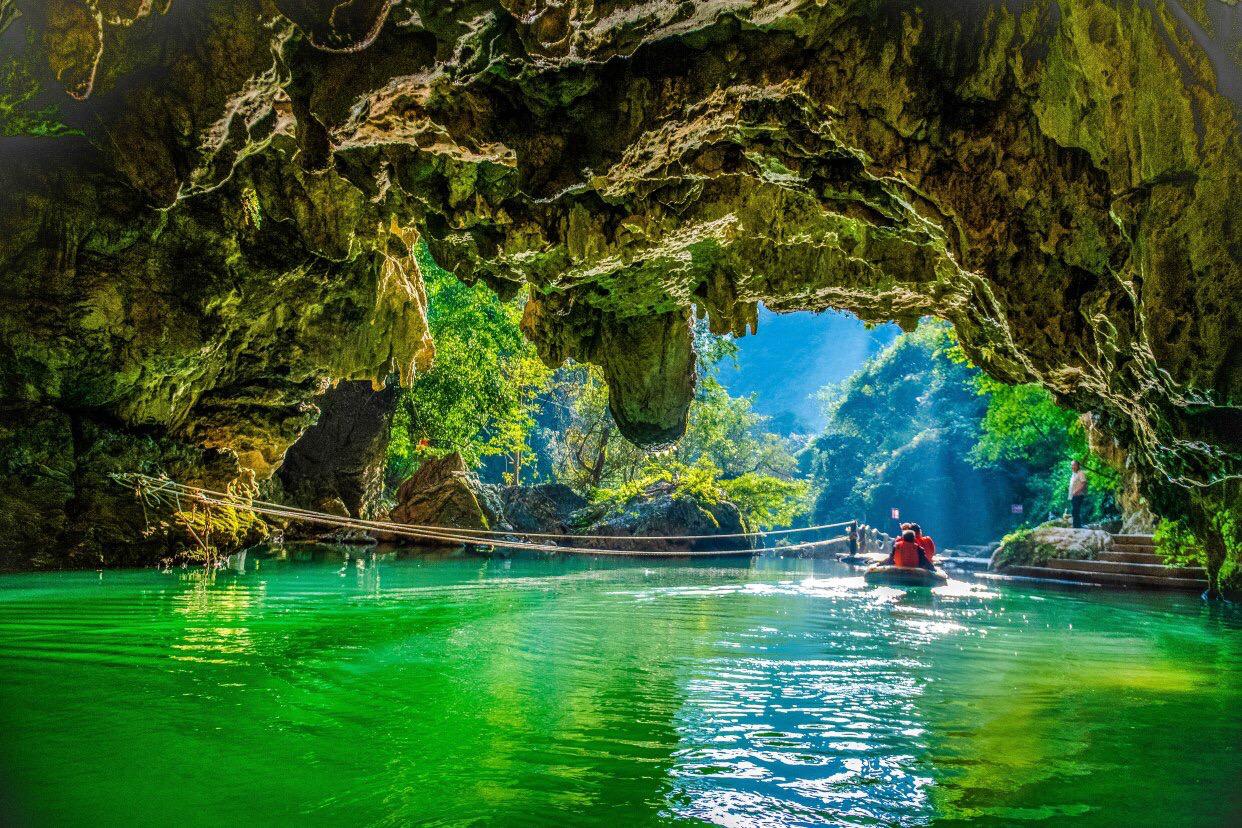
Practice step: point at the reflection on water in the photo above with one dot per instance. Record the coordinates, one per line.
(774, 733)
(342, 686)
(216, 608)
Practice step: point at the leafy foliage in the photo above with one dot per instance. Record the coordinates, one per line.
(480, 396)
(921, 429)
(1025, 427)
(765, 500)
(585, 448)
(1178, 545)
(699, 481)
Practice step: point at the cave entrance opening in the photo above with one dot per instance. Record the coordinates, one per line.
(792, 357)
(885, 423)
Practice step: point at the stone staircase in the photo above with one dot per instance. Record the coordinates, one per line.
(1132, 563)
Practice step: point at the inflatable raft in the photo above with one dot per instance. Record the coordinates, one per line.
(905, 576)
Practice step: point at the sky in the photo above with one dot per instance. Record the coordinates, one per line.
(793, 355)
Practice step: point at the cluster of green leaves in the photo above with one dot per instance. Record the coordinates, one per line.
(481, 394)
(1178, 545)
(767, 501)
(582, 444)
(700, 481)
(1023, 425)
(732, 434)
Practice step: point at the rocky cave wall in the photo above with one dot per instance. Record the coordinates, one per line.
(229, 234)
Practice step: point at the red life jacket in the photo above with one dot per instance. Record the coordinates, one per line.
(928, 545)
(906, 553)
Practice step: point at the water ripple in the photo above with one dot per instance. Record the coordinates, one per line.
(458, 691)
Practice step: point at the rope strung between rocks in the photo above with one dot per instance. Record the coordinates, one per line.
(445, 534)
(419, 534)
(150, 487)
(499, 533)
(483, 534)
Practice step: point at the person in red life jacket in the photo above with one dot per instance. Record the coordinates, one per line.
(901, 530)
(906, 552)
(928, 545)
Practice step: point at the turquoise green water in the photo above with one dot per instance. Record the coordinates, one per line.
(460, 691)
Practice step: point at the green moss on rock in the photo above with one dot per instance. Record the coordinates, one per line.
(232, 233)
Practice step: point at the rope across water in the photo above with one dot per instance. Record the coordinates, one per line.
(154, 488)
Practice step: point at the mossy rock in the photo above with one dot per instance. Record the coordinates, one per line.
(1035, 547)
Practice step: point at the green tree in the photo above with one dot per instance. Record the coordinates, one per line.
(766, 500)
(1023, 425)
(480, 396)
(726, 452)
(921, 429)
(1178, 545)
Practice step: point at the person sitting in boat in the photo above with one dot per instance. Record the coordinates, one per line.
(906, 552)
(901, 530)
(925, 543)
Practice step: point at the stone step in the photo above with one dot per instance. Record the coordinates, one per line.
(1108, 579)
(1131, 557)
(1128, 568)
(1134, 540)
(1134, 547)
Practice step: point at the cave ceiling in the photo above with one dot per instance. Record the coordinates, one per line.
(224, 226)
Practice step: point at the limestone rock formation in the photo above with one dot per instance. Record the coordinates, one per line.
(440, 493)
(229, 231)
(546, 508)
(658, 512)
(341, 457)
(1037, 546)
(1136, 514)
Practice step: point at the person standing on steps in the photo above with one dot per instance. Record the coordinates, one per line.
(1077, 492)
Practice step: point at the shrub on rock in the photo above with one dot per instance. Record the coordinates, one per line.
(1035, 547)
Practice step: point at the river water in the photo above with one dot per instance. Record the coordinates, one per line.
(318, 690)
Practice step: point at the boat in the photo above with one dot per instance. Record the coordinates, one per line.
(905, 576)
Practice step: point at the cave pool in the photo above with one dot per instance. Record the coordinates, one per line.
(315, 688)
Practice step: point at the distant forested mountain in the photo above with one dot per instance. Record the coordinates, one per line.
(920, 429)
(792, 356)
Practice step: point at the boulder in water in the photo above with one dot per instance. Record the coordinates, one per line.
(1035, 547)
(661, 510)
(547, 508)
(440, 493)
